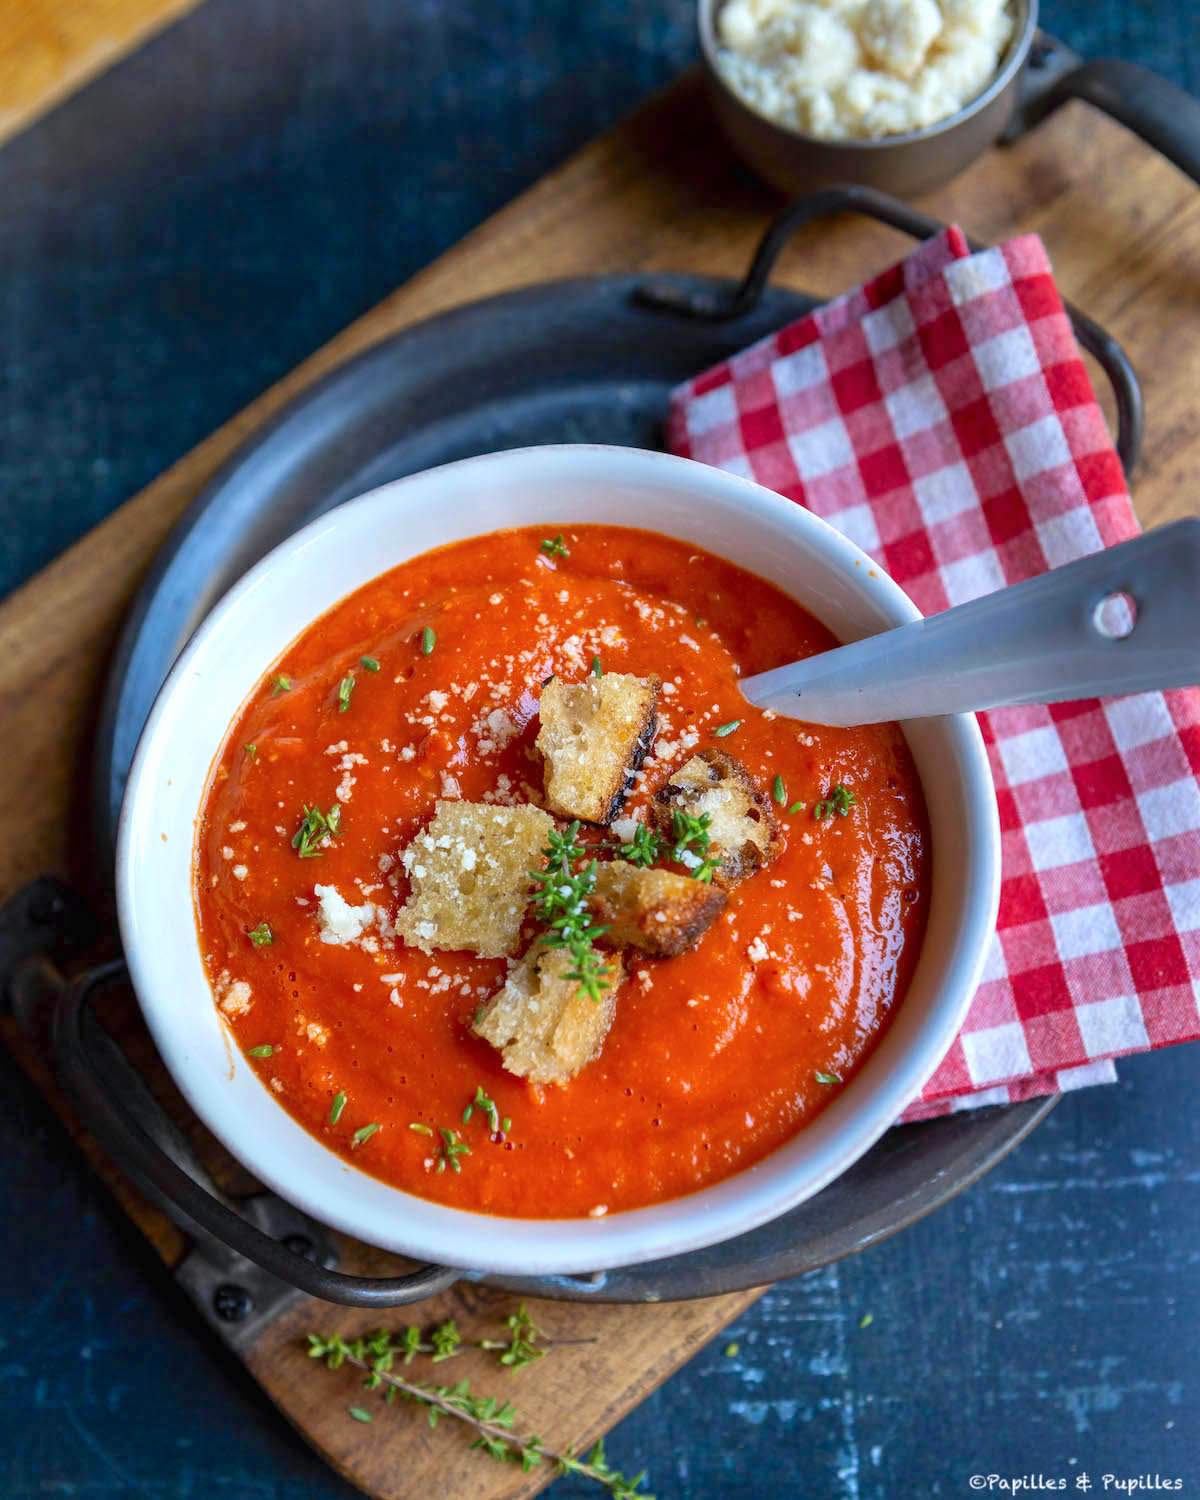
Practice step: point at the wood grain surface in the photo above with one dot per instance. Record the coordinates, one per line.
(658, 192)
(50, 47)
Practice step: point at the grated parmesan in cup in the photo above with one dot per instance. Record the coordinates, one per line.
(860, 69)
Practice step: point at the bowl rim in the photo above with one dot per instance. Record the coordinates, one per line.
(698, 1219)
(1011, 61)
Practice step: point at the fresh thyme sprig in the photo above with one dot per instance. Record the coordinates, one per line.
(839, 801)
(689, 830)
(643, 849)
(492, 1420)
(521, 1348)
(561, 909)
(262, 936)
(316, 828)
(345, 688)
(555, 548)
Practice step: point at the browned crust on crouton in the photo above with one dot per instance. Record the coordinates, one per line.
(744, 832)
(545, 1026)
(594, 736)
(657, 912)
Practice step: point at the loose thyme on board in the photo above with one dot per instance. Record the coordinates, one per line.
(493, 1421)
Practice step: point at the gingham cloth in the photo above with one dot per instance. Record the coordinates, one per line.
(942, 418)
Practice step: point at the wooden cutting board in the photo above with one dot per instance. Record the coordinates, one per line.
(659, 192)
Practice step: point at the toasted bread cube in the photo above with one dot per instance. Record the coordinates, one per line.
(743, 832)
(470, 877)
(655, 911)
(545, 1026)
(595, 735)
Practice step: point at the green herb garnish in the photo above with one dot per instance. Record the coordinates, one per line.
(316, 828)
(689, 830)
(828, 1078)
(252, 751)
(359, 1415)
(452, 1149)
(424, 1129)
(866, 1320)
(505, 1125)
(261, 935)
(643, 849)
(339, 1104)
(345, 688)
(560, 906)
(796, 807)
(779, 791)
(488, 1106)
(723, 729)
(597, 669)
(370, 663)
(521, 1348)
(491, 1420)
(555, 548)
(839, 801)
(428, 640)
(280, 685)
(365, 1133)
(266, 1050)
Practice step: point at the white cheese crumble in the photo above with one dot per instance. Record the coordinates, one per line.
(339, 921)
(860, 69)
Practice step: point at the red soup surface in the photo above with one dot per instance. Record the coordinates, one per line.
(423, 685)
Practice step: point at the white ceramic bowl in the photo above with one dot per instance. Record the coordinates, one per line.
(311, 571)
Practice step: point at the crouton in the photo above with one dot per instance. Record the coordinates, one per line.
(655, 911)
(470, 877)
(595, 735)
(545, 1026)
(742, 829)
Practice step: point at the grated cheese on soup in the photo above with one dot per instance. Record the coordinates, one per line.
(854, 69)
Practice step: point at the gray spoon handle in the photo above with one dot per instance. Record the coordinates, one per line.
(1046, 640)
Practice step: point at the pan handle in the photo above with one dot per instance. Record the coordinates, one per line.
(90, 1078)
(1166, 117)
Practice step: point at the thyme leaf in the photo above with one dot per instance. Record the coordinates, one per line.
(555, 548)
(689, 831)
(345, 688)
(261, 936)
(644, 847)
(839, 802)
(316, 828)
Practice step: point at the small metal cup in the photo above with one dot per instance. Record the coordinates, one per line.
(1034, 76)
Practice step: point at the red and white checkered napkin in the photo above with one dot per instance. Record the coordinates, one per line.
(942, 418)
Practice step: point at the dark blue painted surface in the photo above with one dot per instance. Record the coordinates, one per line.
(267, 170)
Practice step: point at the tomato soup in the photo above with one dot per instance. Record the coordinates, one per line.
(423, 686)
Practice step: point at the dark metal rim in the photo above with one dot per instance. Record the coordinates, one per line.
(850, 198)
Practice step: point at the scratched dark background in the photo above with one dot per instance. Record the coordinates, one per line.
(174, 239)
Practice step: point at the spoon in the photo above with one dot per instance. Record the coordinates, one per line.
(1125, 620)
